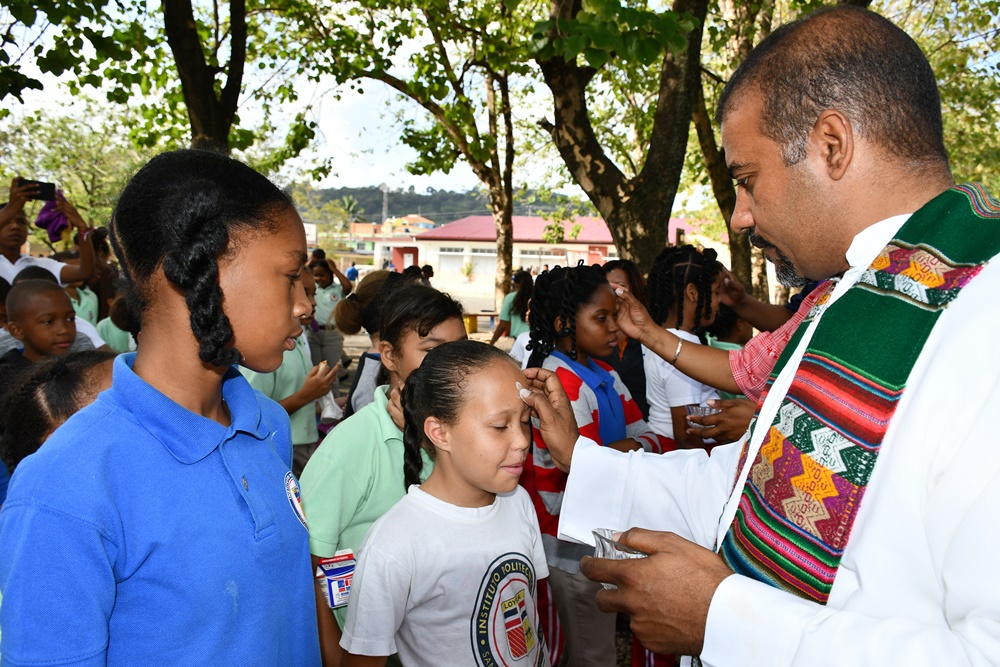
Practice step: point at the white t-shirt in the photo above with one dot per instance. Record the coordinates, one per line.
(447, 585)
(667, 387)
(8, 270)
(519, 349)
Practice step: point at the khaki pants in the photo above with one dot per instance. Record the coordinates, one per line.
(589, 632)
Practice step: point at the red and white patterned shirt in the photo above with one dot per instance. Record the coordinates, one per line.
(545, 483)
(753, 364)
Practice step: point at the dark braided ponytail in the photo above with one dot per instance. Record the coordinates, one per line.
(558, 295)
(439, 388)
(674, 269)
(181, 211)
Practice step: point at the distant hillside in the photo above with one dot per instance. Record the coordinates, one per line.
(441, 206)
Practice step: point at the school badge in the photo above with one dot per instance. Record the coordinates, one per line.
(295, 497)
(505, 621)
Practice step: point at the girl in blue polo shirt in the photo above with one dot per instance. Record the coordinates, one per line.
(161, 525)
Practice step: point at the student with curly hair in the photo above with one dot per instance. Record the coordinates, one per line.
(170, 496)
(572, 322)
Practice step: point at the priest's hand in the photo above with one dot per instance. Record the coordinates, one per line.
(556, 422)
(666, 595)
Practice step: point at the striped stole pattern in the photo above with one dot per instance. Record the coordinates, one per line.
(808, 480)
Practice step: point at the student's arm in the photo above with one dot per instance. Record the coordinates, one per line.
(69, 273)
(18, 197)
(503, 319)
(317, 384)
(763, 316)
(502, 329)
(329, 630)
(351, 660)
(345, 282)
(705, 364)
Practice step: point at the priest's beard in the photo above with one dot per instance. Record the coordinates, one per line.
(783, 268)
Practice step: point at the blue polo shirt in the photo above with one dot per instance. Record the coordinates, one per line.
(144, 534)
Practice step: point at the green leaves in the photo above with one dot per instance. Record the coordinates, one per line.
(606, 30)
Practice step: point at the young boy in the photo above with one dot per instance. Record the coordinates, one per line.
(41, 316)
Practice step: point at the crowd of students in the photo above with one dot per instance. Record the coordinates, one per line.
(203, 497)
(435, 475)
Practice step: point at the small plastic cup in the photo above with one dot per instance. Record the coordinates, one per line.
(608, 548)
(700, 411)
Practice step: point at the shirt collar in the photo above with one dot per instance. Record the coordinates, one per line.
(187, 436)
(388, 427)
(869, 242)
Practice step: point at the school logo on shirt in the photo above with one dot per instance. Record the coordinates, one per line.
(504, 625)
(295, 497)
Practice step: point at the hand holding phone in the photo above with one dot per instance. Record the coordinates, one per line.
(38, 189)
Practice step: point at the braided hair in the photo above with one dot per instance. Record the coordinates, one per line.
(558, 294)
(45, 397)
(673, 270)
(179, 213)
(439, 388)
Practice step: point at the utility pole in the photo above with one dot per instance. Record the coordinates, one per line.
(385, 202)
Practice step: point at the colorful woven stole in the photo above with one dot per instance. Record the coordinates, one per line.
(808, 480)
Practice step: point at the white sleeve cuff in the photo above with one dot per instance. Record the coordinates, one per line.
(751, 624)
(596, 494)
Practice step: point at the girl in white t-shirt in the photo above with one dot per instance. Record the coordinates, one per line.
(683, 289)
(448, 575)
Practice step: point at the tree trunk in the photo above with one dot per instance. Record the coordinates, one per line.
(722, 187)
(211, 114)
(502, 204)
(636, 210)
(760, 287)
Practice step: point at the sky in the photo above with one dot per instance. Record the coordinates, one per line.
(358, 131)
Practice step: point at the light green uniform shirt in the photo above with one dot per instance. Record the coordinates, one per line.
(722, 345)
(284, 382)
(86, 305)
(326, 300)
(517, 323)
(117, 339)
(354, 477)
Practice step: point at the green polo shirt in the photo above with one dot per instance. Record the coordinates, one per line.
(517, 323)
(284, 382)
(723, 345)
(86, 305)
(354, 477)
(117, 340)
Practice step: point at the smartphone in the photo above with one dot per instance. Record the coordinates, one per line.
(46, 191)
